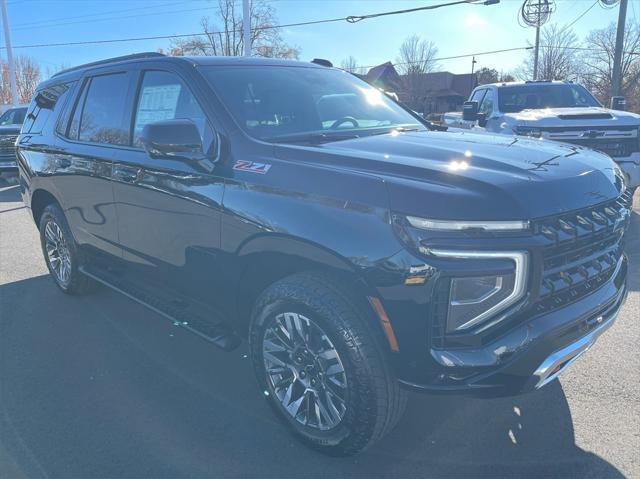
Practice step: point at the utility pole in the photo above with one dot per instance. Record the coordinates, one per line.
(537, 50)
(7, 40)
(246, 27)
(535, 13)
(473, 80)
(616, 80)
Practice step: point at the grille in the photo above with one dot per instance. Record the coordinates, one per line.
(7, 145)
(581, 252)
(613, 147)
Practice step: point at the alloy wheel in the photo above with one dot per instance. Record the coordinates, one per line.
(58, 255)
(305, 371)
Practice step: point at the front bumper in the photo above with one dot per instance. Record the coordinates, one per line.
(631, 167)
(534, 352)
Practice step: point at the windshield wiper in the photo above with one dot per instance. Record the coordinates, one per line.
(313, 138)
(400, 129)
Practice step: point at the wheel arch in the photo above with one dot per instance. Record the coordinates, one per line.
(40, 199)
(269, 258)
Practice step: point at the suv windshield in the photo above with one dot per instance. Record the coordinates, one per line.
(532, 97)
(15, 116)
(281, 102)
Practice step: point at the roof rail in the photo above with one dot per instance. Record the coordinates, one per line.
(538, 81)
(133, 56)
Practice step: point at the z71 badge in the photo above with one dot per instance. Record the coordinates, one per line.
(252, 167)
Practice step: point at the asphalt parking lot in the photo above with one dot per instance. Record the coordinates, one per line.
(100, 387)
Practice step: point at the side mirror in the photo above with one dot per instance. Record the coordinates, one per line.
(482, 119)
(172, 140)
(618, 103)
(470, 110)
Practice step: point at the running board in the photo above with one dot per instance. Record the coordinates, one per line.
(215, 332)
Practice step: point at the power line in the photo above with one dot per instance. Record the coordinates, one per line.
(350, 19)
(358, 18)
(110, 18)
(181, 35)
(466, 55)
(86, 15)
(581, 15)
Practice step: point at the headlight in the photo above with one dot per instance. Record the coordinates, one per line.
(528, 131)
(454, 225)
(473, 300)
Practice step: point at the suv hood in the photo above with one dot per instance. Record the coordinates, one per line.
(572, 117)
(467, 176)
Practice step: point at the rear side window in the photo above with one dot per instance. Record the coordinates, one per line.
(164, 96)
(43, 105)
(100, 113)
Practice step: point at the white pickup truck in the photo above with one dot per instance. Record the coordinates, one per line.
(560, 111)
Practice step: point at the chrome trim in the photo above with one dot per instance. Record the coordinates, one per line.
(453, 225)
(567, 355)
(521, 261)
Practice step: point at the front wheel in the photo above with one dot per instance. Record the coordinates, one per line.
(61, 253)
(321, 365)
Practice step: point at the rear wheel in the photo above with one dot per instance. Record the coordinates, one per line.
(321, 367)
(61, 253)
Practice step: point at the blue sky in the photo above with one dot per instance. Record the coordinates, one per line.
(456, 30)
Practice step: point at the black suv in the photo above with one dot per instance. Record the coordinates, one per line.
(10, 122)
(359, 252)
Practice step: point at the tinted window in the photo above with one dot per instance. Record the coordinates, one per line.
(532, 96)
(269, 102)
(164, 96)
(102, 119)
(43, 105)
(74, 125)
(15, 116)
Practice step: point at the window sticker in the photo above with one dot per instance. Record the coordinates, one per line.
(157, 103)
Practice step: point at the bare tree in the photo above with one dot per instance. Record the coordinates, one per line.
(416, 56)
(52, 70)
(558, 59)
(28, 76)
(350, 64)
(598, 61)
(224, 35)
(416, 59)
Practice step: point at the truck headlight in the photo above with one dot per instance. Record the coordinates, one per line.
(473, 300)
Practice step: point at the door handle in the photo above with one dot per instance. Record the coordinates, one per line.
(129, 175)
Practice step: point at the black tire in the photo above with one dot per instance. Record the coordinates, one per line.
(374, 401)
(74, 282)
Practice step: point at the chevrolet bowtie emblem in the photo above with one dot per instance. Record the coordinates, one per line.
(592, 134)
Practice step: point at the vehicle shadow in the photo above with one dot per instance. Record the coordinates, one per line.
(9, 190)
(99, 386)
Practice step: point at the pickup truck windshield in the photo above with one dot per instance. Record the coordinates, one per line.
(513, 99)
(282, 102)
(15, 116)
